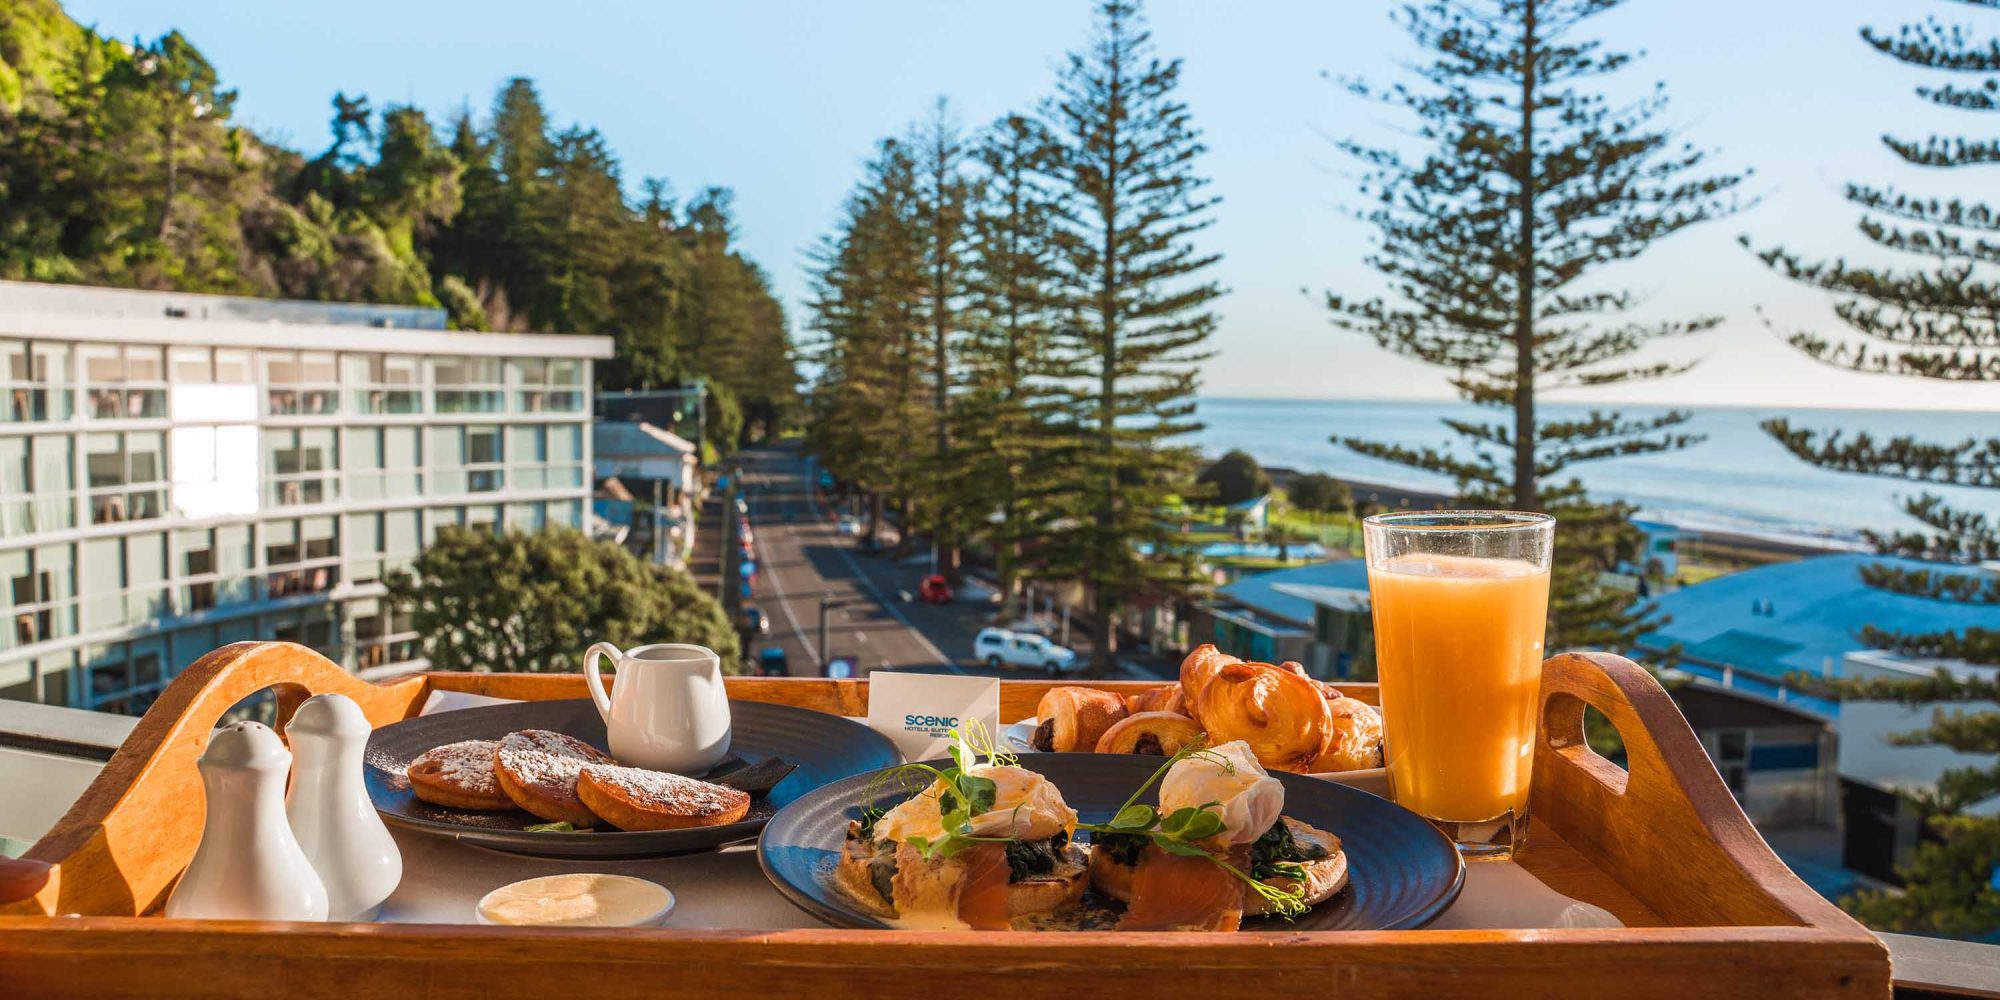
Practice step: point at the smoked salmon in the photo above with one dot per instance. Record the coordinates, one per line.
(1173, 892)
(983, 894)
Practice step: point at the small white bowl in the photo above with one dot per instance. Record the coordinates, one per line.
(651, 905)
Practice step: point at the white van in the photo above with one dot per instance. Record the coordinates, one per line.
(998, 647)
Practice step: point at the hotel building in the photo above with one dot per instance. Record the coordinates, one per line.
(182, 471)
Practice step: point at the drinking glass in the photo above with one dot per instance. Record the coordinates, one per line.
(1461, 603)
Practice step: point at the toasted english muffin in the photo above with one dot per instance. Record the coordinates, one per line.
(866, 869)
(1324, 876)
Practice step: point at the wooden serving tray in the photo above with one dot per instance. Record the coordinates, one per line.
(1710, 911)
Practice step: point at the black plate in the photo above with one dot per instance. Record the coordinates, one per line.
(1402, 872)
(825, 747)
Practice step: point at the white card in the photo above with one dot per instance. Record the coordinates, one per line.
(918, 710)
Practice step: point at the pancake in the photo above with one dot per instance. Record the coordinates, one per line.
(633, 798)
(459, 776)
(538, 771)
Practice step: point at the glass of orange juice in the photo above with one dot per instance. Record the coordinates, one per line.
(1461, 601)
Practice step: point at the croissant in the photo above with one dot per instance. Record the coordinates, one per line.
(1298, 668)
(1197, 670)
(1282, 715)
(1073, 718)
(1353, 737)
(1159, 733)
(1171, 698)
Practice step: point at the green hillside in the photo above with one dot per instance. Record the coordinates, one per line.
(124, 166)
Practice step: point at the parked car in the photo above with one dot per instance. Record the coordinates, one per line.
(848, 525)
(1000, 648)
(755, 621)
(771, 662)
(742, 506)
(934, 590)
(744, 590)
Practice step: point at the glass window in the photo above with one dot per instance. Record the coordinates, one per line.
(54, 482)
(104, 580)
(301, 465)
(191, 365)
(468, 385)
(400, 532)
(300, 382)
(233, 366)
(34, 381)
(16, 509)
(127, 383)
(380, 383)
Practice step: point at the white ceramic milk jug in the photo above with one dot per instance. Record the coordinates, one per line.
(335, 823)
(248, 866)
(667, 709)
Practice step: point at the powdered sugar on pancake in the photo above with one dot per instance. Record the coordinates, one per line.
(546, 759)
(467, 765)
(676, 794)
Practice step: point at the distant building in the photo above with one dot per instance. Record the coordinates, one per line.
(1751, 628)
(1317, 615)
(1779, 759)
(1883, 826)
(1251, 516)
(682, 410)
(1660, 554)
(182, 471)
(1748, 630)
(665, 470)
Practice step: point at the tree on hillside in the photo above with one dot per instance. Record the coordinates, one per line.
(1136, 312)
(1008, 440)
(1940, 321)
(1319, 493)
(534, 601)
(1236, 477)
(1533, 180)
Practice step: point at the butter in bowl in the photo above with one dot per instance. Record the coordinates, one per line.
(577, 899)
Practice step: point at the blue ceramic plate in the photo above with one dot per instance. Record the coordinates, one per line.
(1402, 872)
(825, 748)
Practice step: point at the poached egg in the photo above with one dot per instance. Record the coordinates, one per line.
(1026, 806)
(1248, 798)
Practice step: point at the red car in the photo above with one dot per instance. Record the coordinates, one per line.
(934, 590)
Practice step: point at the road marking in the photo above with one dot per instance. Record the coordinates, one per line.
(777, 584)
(896, 612)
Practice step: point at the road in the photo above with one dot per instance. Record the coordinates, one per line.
(801, 559)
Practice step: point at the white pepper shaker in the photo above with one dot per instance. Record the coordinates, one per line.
(335, 823)
(248, 866)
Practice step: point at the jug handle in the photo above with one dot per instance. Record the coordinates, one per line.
(595, 683)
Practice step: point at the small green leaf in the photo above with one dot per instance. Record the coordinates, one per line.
(1135, 817)
(980, 793)
(562, 827)
(1176, 847)
(1201, 826)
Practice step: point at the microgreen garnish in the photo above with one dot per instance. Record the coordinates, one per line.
(961, 795)
(1180, 831)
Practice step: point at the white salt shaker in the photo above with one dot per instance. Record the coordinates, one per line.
(248, 866)
(335, 823)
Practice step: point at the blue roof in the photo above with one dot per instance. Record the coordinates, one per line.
(1256, 591)
(1818, 606)
(1251, 504)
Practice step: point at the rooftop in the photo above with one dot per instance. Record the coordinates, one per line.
(1800, 615)
(78, 313)
(1277, 593)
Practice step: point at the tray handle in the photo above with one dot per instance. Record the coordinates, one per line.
(1668, 807)
(119, 849)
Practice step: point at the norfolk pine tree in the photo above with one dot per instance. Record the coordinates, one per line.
(1008, 437)
(1939, 321)
(1532, 179)
(943, 195)
(1136, 313)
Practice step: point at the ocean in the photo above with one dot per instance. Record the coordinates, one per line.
(1737, 480)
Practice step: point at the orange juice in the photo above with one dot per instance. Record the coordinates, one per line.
(1458, 651)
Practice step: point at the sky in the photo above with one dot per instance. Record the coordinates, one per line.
(781, 100)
